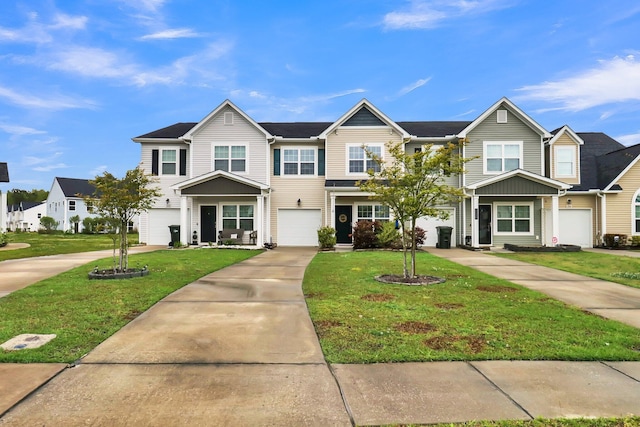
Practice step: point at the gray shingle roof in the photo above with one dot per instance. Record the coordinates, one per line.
(596, 144)
(73, 187)
(173, 131)
(433, 129)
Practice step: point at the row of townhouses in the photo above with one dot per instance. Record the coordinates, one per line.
(526, 185)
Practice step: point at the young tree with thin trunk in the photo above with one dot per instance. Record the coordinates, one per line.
(413, 186)
(120, 200)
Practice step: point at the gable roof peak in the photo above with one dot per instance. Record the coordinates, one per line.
(364, 103)
(565, 130)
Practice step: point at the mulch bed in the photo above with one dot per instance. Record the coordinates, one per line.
(396, 279)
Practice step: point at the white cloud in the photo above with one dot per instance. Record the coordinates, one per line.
(177, 33)
(630, 139)
(98, 170)
(55, 102)
(62, 20)
(49, 168)
(38, 32)
(413, 86)
(612, 81)
(19, 130)
(425, 14)
(89, 62)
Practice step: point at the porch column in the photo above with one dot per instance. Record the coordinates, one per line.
(475, 221)
(332, 212)
(555, 221)
(184, 232)
(259, 220)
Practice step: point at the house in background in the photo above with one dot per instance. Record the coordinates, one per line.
(25, 216)
(65, 200)
(4, 177)
(285, 180)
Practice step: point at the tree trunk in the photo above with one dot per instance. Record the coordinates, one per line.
(405, 270)
(123, 246)
(413, 247)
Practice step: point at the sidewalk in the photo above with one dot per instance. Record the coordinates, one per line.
(237, 347)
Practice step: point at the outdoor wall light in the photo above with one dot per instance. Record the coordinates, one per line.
(569, 202)
(167, 202)
(299, 202)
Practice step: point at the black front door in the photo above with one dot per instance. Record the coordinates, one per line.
(208, 223)
(484, 224)
(343, 224)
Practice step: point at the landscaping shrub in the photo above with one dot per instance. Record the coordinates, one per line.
(4, 239)
(48, 225)
(610, 240)
(327, 237)
(420, 236)
(635, 240)
(365, 234)
(389, 237)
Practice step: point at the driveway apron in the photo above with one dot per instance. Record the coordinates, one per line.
(236, 347)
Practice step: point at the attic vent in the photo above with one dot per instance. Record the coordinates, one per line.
(228, 118)
(502, 116)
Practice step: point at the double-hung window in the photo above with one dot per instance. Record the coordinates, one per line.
(169, 162)
(373, 213)
(299, 161)
(72, 205)
(360, 161)
(230, 158)
(514, 218)
(237, 216)
(565, 162)
(502, 156)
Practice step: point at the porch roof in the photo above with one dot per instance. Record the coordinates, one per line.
(518, 182)
(220, 183)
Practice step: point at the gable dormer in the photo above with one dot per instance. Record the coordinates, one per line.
(562, 156)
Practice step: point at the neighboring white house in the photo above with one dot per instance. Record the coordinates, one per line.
(25, 216)
(66, 200)
(4, 177)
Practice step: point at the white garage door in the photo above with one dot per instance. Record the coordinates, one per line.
(576, 227)
(159, 222)
(298, 227)
(429, 224)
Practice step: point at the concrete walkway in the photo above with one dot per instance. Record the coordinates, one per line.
(237, 347)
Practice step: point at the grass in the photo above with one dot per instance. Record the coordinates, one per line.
(83, 313)
(472, 316)
(614, 268)
(59, 243)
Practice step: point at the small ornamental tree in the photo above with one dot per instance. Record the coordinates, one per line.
(413, 186)
(120, 200)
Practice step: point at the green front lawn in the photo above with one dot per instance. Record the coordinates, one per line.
(612, 267)
(472, 316)
(83, 313)
(59, 243)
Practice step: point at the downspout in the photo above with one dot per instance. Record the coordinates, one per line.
(603, 216)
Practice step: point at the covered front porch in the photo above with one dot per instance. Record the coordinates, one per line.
(223, 208)
(508, 208)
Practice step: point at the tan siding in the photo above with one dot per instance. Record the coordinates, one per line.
(286, 190)
(336, 153)
(565, 141)
(514, 130)
(241, 132)
(619, 208)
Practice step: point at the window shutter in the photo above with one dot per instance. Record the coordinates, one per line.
(276, 161)
(155, 157)
(183, 161)
(321, 161)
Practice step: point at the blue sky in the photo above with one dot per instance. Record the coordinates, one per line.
(79, 79)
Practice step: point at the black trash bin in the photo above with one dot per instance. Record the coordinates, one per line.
(444, 237)
(175, 234)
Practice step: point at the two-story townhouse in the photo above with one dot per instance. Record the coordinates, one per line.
(25, 216)
(65, 201)
(285, 180)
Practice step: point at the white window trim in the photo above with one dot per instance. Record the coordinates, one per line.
(75, 206)
(299, 175)
(237, 218)
(160, 162)
(513, 233)
(346, 157)
(373, 211)
(229, 145)
(633, 214)
(557, 148)
(503, 143)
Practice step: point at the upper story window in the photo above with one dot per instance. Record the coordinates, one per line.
(89, 205)
(169, 162)
(230, 158)
(565, 159)
(72, 205)
(360, 162)
(299, 161)
(502, 156)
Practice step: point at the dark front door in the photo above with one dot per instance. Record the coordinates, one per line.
(343, 224)
(208, 224)
(484, 224)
